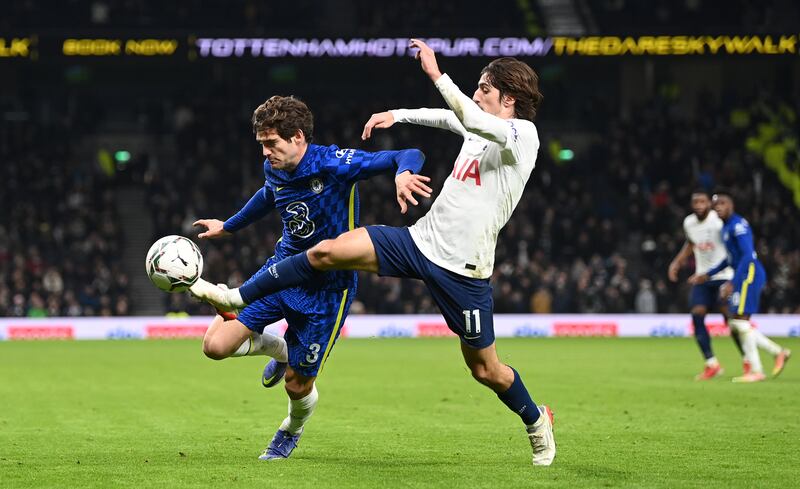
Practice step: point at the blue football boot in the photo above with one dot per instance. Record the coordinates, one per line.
(273, 373)
(281, 446)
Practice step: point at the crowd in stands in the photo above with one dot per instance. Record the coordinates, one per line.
(60, 236)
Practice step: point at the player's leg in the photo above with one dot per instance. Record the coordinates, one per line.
(352, 250)
(726, 315)
(310, 339)
(467, 307)
(232, 338)
(700, 297)
(742, 303)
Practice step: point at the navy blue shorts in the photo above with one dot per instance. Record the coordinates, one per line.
(466, 303)
(706, 294)
(314, 319)
(747, 291)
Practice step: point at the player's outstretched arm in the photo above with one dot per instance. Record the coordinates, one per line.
(438, 118)
(355, 164)
(259, 205)
(471, 116)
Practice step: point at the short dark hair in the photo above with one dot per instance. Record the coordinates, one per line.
(723, 192)
(286, 115)
(516, 79)
(701, 190)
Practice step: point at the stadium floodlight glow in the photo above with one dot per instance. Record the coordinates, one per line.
(566, 154)
(122, 156)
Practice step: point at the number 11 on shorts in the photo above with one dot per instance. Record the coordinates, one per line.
(468, 320)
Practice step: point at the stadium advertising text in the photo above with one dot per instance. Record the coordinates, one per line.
(17, 47)
(389, 326)
(200, 47)
(499, 46)
(119, 47)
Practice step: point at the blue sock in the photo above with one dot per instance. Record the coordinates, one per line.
(518, 400)
(288, 272)
(701, 335)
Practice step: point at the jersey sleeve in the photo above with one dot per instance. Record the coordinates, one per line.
(686, 229)
(259, 205)
(518, 138)
(355, 164)
(438, 118)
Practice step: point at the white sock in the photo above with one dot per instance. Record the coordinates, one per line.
(749, 346)
(299, 412)
(712, 362)
(263, 344)
(766, 344)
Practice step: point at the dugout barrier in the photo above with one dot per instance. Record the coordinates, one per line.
(396, 326)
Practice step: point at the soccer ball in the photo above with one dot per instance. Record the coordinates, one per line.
(174, 263)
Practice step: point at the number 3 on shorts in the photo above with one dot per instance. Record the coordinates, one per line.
(314, 355)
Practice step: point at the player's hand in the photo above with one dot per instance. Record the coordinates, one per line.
(726, 290)
(672, 271)
(698, 279)
(427, 58)
(409, 184)
(382, 120)
(213, 227)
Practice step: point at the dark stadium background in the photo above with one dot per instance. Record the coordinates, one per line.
(101, 155)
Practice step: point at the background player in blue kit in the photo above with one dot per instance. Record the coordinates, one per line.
(743, 291)
(314, 189)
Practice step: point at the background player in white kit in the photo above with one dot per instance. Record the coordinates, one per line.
(452, 247)
(703, 229)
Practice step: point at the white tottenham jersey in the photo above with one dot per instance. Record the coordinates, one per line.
(706, 236)
(459, 232)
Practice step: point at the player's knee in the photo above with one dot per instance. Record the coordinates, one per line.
(298, 388)
(213, 350)
(321, 255)
(483, 374)
(699, 310)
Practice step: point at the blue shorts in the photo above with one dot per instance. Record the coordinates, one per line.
(466, 303)
(706, 294)
(314, 318)
(747, 291)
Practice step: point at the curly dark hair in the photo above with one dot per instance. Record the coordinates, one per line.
(516, 79)
(286, 115)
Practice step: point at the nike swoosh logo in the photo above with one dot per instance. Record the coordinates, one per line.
(471, 337)
(306, 364)
(278, 189)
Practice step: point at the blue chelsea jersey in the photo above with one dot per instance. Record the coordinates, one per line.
(738, 238)
(318, 200)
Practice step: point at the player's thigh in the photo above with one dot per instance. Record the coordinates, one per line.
(228, 336)
(314, 323)
(466, 304)
(352, 250)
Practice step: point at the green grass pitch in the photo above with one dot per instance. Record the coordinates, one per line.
(392, 413)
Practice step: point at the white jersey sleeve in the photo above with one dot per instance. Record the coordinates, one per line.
(706, 238)
(438, 118)
(459, 232)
